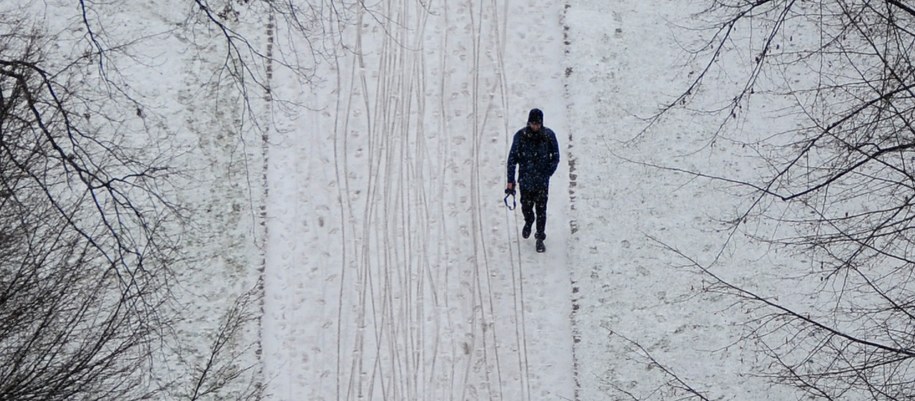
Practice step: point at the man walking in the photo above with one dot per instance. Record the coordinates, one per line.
(536, 153)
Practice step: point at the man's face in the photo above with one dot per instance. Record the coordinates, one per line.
(535, 126)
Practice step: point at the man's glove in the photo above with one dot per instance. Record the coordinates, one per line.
(510, 191)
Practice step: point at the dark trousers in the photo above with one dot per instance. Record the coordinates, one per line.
(533, 204)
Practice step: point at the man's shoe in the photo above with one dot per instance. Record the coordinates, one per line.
(540, 247)
(526, 231)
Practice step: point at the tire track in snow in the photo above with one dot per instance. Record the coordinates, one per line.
(341, 150)
(356, 376)
(444, 251)
(477, 206)
(452, 301)
(395, 316)
(419, 354)
(394, 327)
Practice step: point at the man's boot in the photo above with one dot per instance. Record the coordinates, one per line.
(540, 237)
(526, 230)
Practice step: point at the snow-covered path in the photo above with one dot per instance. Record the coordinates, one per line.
(393, 270)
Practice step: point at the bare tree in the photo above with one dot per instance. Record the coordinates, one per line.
(90, 235)
(84, 256)
(839, 184)
(669, 386)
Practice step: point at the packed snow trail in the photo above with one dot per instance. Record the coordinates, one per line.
(393, 271)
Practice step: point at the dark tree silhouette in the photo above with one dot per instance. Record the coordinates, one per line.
(84, 257)
(840, 184)
(91, 238)
(89, 234)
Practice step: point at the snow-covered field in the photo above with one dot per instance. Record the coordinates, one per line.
(394, 272)
(393, 269)
(365, 205)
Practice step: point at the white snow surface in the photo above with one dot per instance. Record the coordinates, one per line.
(392, 270)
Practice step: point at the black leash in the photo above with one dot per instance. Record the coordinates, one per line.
(511, 193)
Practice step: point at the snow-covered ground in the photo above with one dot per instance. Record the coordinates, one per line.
(394, 272)
(391, 270)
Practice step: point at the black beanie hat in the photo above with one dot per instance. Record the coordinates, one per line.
(535, 116)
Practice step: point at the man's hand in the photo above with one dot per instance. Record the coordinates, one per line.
(510, 188)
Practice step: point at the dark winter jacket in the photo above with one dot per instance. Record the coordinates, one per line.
(536, 154)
